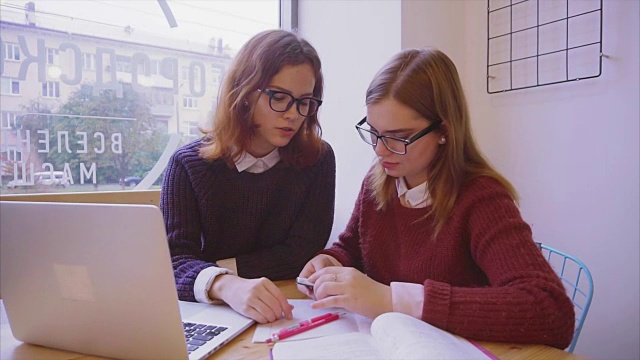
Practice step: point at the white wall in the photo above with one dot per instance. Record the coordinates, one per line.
(354, 39)
(571, 150)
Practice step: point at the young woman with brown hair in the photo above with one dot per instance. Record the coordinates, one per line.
(436, 232)
(253, 200)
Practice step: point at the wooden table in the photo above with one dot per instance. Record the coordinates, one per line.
(242, 347)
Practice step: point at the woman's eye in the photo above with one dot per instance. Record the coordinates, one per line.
(279, 97)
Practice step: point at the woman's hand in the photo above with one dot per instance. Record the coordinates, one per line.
(317, 263)
(350, 289)
(259, 299)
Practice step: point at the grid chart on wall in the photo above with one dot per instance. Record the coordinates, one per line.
(542, 42)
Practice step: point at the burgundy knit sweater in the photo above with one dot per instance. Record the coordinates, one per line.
(272, 222)
(484, 277)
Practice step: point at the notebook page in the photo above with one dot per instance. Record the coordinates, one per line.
(354, 346)
(404, 337)
(302, 310)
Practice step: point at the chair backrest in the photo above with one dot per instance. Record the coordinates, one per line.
(577, 279)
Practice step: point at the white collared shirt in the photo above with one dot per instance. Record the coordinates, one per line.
(249, 163)
(204, 280)
(415, 198)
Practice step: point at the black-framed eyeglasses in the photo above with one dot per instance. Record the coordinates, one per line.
(281, 101)
(394, 144)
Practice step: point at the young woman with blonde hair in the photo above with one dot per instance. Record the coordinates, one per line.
(435, 232)
(253, 200)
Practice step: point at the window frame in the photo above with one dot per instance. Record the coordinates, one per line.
(15, 51)
(11, 81)
(54, 57)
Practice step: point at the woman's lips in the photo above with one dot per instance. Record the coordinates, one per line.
(389, 165)
(286, 131)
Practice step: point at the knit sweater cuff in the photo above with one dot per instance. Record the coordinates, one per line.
(437, 299)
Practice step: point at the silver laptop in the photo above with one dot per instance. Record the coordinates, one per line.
(97, 279)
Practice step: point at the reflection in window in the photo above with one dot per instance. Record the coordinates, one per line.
(118, 82)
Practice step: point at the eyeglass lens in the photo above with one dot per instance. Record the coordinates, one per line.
(393, 145)
(281, 102)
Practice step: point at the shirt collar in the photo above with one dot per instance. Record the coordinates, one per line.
(418, 197)
(249, 163)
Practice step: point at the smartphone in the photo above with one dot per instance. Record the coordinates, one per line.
(305, 282)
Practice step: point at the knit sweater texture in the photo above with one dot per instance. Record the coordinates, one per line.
(272, 222)
(484, 277)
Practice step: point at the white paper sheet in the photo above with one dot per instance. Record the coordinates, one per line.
(349, 323)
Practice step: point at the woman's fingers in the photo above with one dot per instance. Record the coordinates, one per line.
(331, 301)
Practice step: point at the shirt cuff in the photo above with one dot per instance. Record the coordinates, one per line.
(203, 283)
(407, 298)
(228, 264)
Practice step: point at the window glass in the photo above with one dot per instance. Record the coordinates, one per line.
(98, 94)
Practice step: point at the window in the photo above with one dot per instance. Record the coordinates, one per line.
(93, 118)
(192, 129)
(185, 73)
(52, 56)
(10, 86)
(155, 67)
(123, 64)
(189, 102)
(11, 52)
(9, 120)
(88, 61)
(14, 155)
(216, 73)
(162, 97)
(51, 89)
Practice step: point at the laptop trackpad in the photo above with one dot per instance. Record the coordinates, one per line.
(214, 314)
(189, 309)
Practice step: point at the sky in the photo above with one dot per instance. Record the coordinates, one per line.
(234, 21)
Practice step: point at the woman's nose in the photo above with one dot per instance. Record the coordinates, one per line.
(381, 149)
(292, 113)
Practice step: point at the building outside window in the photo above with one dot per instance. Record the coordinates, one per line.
(121, 84)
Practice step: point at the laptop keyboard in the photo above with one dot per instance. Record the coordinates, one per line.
(199, 334)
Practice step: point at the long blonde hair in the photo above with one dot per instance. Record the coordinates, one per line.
(257, 62)
(427, 81)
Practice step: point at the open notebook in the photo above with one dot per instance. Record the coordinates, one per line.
(97, 279)
(389, 336)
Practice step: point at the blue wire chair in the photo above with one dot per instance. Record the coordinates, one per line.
(578, 282)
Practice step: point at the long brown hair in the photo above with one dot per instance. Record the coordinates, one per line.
(427, 81)
(257, 62)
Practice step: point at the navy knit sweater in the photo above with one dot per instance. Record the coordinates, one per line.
(272, 222)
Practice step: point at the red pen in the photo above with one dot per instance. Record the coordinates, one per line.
(303, 326)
